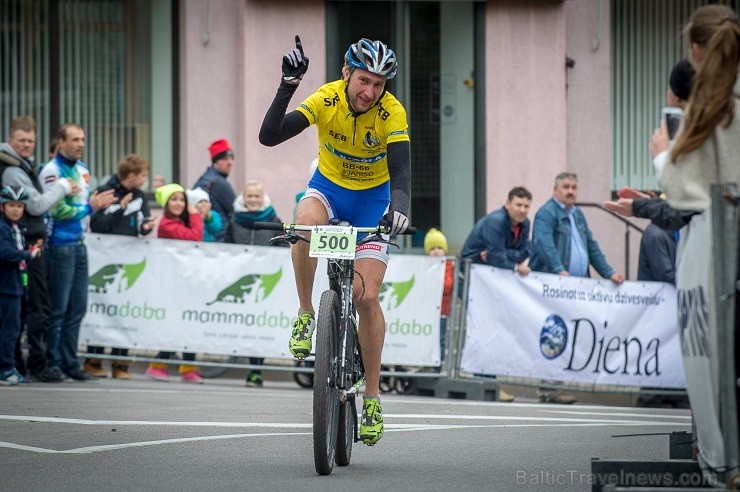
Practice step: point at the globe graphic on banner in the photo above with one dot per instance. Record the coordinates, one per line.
(553, 337)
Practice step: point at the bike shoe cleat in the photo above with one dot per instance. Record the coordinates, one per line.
(300, 340)
(371, 424)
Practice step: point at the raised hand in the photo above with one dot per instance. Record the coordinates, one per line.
(295, 63)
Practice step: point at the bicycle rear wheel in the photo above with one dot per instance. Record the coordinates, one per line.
(325, 389)
(347, 410)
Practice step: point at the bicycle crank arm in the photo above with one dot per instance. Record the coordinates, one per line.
(352, 391)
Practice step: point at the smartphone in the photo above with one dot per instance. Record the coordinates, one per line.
(672, 117)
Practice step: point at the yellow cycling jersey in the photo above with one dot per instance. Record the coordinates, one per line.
(353, 149)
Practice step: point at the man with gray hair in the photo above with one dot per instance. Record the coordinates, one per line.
(17, 168)
(562, 244)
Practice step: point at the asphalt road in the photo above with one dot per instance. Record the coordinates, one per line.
(148, 435)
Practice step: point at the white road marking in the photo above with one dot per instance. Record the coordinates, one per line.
(514, 422)
(164, 423)
(614, 414)
(112, 447)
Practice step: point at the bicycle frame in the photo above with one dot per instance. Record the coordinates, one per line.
(341, 278)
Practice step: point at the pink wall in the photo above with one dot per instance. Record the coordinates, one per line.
(210, 85)
(227, 85)
(540, 119)
(590, 127)
(270, 30)
(525, 98)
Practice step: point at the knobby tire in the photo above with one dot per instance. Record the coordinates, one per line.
(347, 416)
(325, 389)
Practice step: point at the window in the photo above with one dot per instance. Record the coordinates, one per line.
(88, 62)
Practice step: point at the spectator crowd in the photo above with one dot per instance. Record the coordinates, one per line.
(47, 208)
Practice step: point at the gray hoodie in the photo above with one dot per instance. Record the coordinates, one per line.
(18, 171)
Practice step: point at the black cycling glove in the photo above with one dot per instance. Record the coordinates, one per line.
(295, 63)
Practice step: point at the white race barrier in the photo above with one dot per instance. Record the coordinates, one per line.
(572, 329)
(695, 282)
(160, 294)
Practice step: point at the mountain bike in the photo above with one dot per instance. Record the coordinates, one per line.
(338, 369)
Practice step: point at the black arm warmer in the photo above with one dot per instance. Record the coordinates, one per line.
(661, 213)
(277, 127)
(399, 168)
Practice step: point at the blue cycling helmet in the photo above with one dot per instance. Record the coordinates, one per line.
(373, 56)
(13, 194)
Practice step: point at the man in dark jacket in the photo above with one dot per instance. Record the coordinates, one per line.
(17, 169)
(216, 185)
(501, 238)
(657, 261)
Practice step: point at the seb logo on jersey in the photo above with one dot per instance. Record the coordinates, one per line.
(331, 101)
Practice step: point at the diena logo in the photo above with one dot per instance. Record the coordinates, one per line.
(553, 337)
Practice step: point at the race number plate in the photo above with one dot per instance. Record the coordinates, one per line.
(337, 242)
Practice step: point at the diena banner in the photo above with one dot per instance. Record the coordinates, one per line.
(572, 329)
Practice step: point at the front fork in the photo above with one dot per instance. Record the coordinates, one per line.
(343, 276)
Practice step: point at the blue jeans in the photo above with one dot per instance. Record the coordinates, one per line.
(442, 337)
(10, 326)
(67, 274)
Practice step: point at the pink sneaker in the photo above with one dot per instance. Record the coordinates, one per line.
(191, 377)
(157, 374)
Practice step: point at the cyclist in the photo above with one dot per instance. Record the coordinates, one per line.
(363, 177)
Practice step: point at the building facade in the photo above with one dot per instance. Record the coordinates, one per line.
(499, 93)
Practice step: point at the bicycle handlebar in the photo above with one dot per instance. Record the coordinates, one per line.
(275, 226)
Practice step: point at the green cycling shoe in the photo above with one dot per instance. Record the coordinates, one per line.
(371, 424)
(300, 340)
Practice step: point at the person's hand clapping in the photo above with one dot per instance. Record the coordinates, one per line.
(623, 207)
(204, 207)
(75, 187)
(147, 225)
(627, 192)
(126, 200)
(102, 200)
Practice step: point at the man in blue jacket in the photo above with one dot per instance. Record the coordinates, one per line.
(563, 244)
(501, 238)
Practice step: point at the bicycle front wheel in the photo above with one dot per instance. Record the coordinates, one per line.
(347, 410)
(325, 388)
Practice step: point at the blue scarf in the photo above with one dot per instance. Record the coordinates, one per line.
(247, 219)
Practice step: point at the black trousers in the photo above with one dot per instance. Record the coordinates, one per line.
(35, 311)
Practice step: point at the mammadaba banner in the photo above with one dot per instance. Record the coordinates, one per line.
(572, 329)
(162, 294)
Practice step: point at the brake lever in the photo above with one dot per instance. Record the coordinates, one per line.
(291, 238)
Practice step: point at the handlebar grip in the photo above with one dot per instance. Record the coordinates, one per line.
(269, 226)
(410, 231)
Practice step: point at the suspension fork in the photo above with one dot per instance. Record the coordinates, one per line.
(344, 275)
